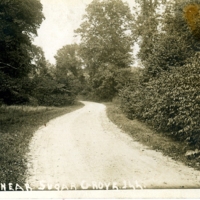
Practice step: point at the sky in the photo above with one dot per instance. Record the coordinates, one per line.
(62, 17)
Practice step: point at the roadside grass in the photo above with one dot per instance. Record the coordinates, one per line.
(154, 140)
(17, 125)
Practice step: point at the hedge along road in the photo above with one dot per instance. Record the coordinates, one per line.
(84, 150)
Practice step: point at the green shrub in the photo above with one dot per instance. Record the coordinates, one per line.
(103, 85)
(48, 92)
(106, 84)
(170, 102)
(14, 90)
(130, 94)
(55, 99)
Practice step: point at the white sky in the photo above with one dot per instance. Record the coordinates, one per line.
(62, 18)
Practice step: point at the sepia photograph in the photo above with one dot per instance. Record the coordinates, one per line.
(99, 99)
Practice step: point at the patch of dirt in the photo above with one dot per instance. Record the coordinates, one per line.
(84, 149)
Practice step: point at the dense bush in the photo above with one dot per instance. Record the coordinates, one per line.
(55, 100)
(103, 85)
(170, 102)
(106, 84)
(49, 92)
(13, 91)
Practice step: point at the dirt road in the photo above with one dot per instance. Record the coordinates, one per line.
(84, 150)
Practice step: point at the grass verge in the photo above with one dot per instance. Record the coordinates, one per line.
(17, 125)
(154, 140)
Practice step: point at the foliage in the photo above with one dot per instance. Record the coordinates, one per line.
(131, 95)
(171, 105)
(107, 83)
(49, 92)
(19, 21)
(127, 76)
(145, 28)
(13, 91)
(39, 62)
(166, 94)
(106, 35)
(68, 60)
(103, 85)
(106, 44)
(150, 138)
(164, 37)
(69, 68)
(56, 85)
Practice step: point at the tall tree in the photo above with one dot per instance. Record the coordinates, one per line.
(145, 28)
(68, 60)
(106, 35)
(69, 70)
(39, 61)
(19, 21)
(165, 40)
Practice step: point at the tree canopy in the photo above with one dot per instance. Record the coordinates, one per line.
(106, 35)
(19, 21)
(68, 60)
(164, 35)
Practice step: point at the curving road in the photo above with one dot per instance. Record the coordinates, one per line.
(84, 150)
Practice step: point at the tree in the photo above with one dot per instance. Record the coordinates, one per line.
(19, 21)
(69, 67)
(106, 35)
(49, 86)
(146, 21)
(165, 39)
(68, 60)
(168, 99)
(106, 44)
(39, 62)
